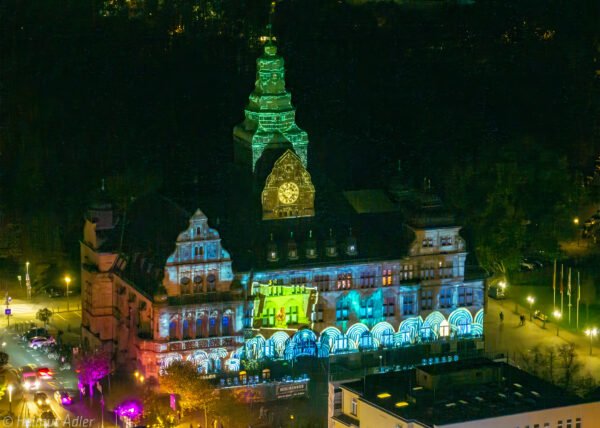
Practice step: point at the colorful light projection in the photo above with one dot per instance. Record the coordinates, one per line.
(358, 337)
(283, 307)
(270, 113)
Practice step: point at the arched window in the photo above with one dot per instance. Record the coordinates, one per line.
(200, 325)
(198, 283)
(173, 330)
(226, 324)
(186, 329)
(211, 281)
(341, 343)
(366, 340)
(387, 338)
(212, 326)
(269, 349)
(444, 329)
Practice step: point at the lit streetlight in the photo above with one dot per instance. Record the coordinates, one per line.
(557, 317)
(10, 390)
(576, 221)
(531, 301)
(67, 281)
(591, 332)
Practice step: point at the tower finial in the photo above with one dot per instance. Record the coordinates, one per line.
(270, 26)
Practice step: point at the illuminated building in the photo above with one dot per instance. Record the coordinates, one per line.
(288, 267)
(469, 394)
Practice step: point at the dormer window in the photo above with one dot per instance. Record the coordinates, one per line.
(351, 247)
(311, 247)
(198, 230)
(330, 246)
(445, 241)
(272, 255)
(427, 242)
(292, 248)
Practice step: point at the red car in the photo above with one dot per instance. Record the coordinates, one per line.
(45, 373)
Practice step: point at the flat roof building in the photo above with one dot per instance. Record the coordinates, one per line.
(476, 393)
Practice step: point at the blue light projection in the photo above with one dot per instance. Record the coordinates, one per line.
(331, 340)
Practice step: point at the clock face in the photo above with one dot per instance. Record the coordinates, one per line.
(288, 193)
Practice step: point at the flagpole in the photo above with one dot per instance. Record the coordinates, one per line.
(578, 297)
(569, 294)
(554, 284)
(562, 308)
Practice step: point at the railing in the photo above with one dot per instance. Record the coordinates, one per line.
(184, 345)
(210, 297)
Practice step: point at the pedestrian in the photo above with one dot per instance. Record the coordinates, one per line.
(501, 316)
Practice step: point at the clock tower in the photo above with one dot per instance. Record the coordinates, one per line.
(270, 121)
(288, 190)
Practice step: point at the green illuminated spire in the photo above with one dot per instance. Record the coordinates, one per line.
(270, 116)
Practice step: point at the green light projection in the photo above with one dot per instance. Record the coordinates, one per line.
(283, 306)
(270, 115)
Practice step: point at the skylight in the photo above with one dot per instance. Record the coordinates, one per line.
(401, 404)
(384, 395)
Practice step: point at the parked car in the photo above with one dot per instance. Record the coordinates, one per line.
(496, 293)
(535, 263)
(63, 397)
(40, 341)
(36, 332)
(539, 315)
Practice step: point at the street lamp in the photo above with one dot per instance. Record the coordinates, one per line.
(531, 301)
(591, 332)
(380, 363)
(557, 317)
(576, 221)
(10, 390)
(67, 281)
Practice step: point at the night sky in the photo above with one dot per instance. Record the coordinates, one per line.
(460, 94)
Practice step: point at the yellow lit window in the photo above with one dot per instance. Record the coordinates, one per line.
(383, 395)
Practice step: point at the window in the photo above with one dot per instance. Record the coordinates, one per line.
(321, 282)
(269, 317)
(569, 423)
(578, 423)
(341, 343)
(366, 309)
(354, 408)
(464, 328)
(341, 310)
(291, 315)
(226, 325)
(387, 338)
(427, 242)
(408, 304)
(444, 329)
(200, 327)
(269, 349)
(248, 319)
(198, 230)
(446, 298)
(389, 307)
(386, 277)
(427, 271)
(465, 296)
(366, 340)
(211, 281)
(367, 279)
(407, 272)
(446, 269)
(344, 281)
(212, 326)
(559, 424)
(318, 314)
(426, 299)
(445, 241)
(276, 290)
